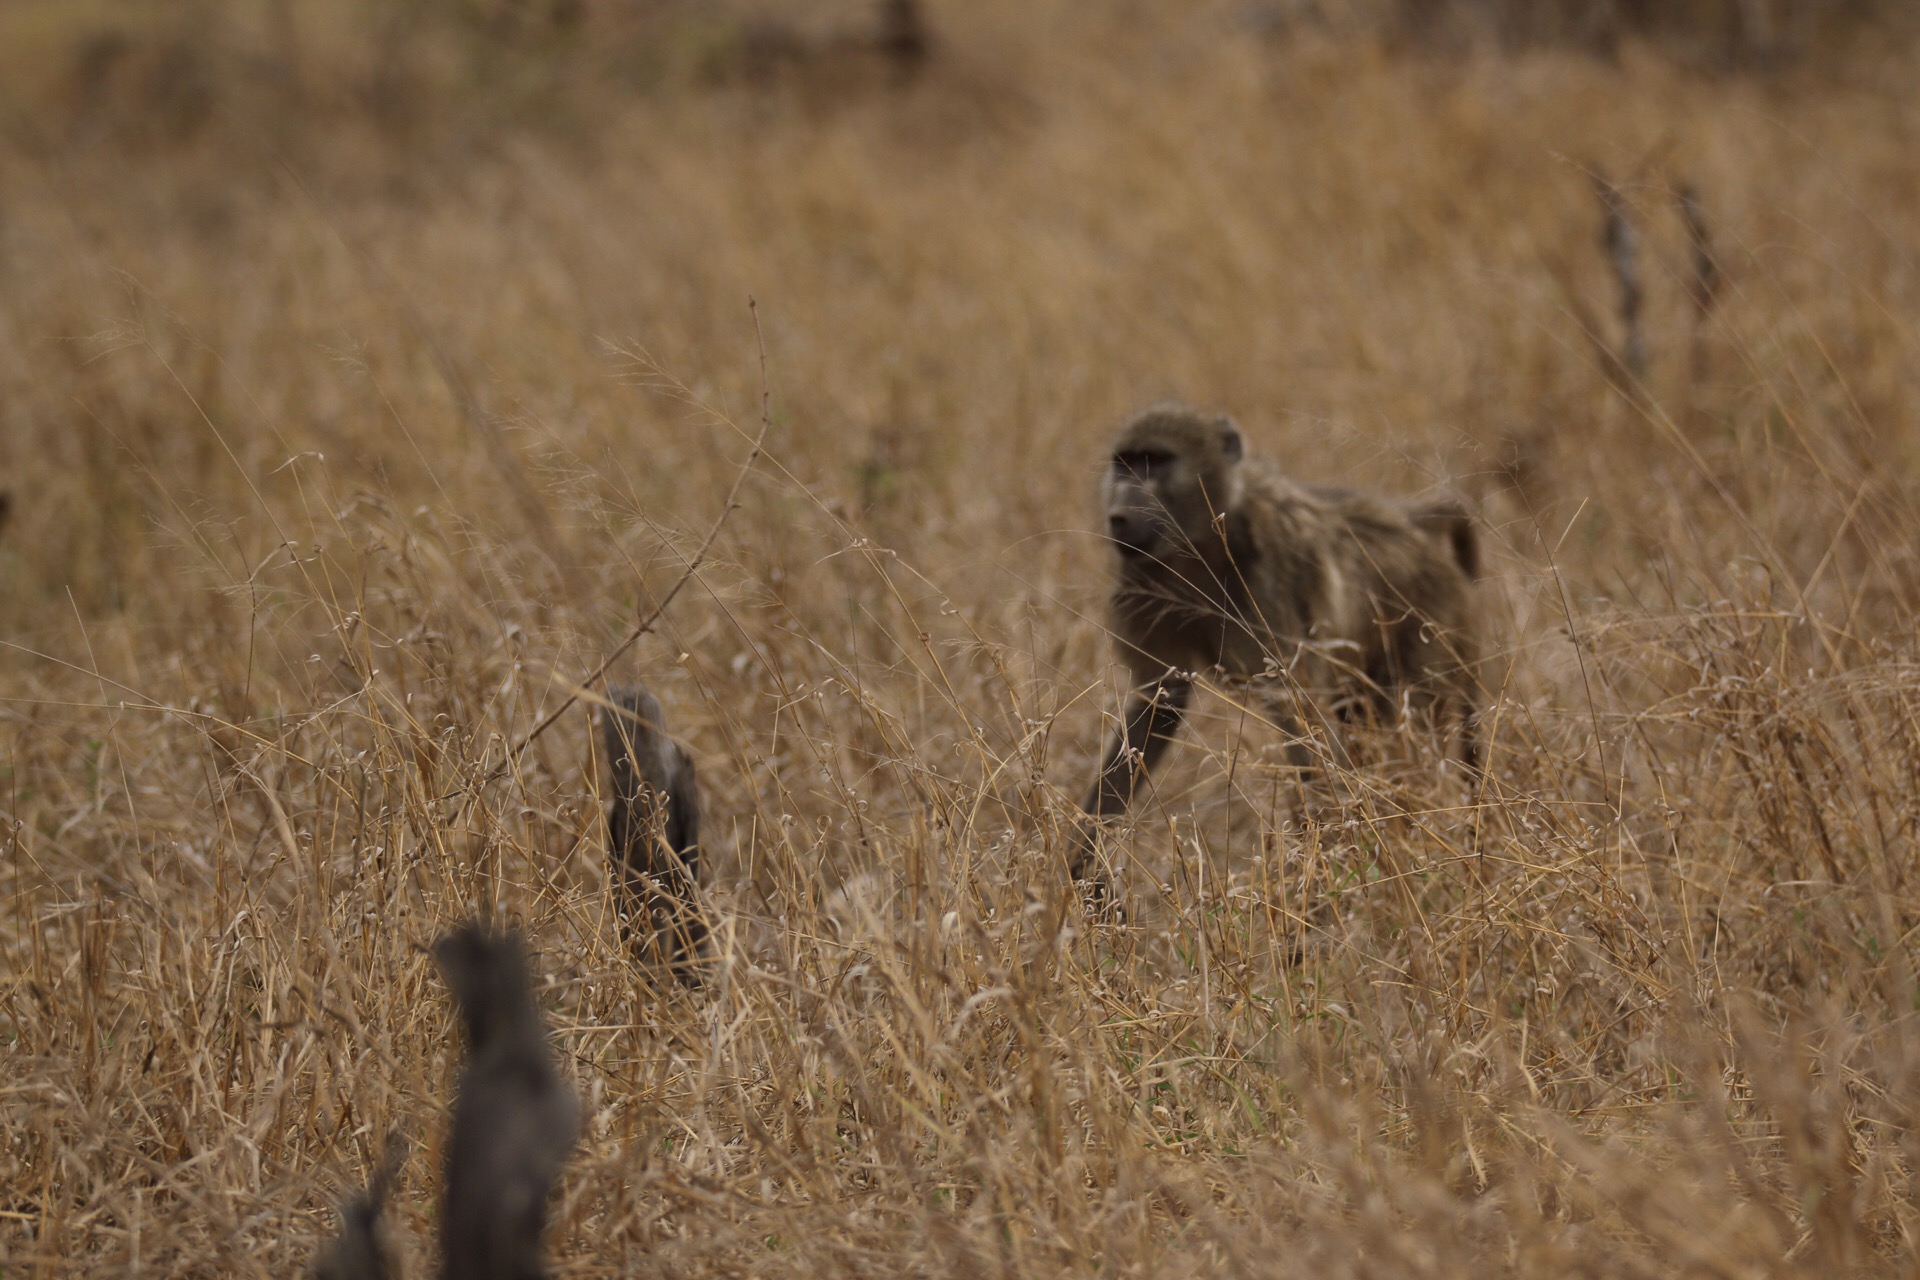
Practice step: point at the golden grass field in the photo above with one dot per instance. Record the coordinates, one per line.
(362, 389)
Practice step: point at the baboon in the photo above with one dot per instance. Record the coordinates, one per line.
(514, 1118)
(653, 833)
(1354, 602)
(361, 1251)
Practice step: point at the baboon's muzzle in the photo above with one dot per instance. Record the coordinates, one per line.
(1138, 529)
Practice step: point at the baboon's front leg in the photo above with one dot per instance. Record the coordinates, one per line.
(1153, 718)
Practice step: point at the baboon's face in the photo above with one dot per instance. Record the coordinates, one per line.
(1172, 475)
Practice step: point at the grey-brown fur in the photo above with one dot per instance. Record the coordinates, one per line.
(1350, 601)
(361, 1250)
(653, 832)
(514, 1118)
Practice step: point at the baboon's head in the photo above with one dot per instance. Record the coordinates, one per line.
(1173, 473)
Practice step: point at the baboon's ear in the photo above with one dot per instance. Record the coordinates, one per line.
(1231, 445)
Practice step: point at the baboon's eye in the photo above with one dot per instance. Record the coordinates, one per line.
(1144, 463)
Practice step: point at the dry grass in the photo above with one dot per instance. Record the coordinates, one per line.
(343, 443)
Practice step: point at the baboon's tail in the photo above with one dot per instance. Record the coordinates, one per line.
(630, 729)
(648, 768)
(653, 781)
(514, 1116)
(1447, 517)
(359, 1251)
(356, 1252)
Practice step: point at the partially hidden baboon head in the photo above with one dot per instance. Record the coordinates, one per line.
(1172, 475)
